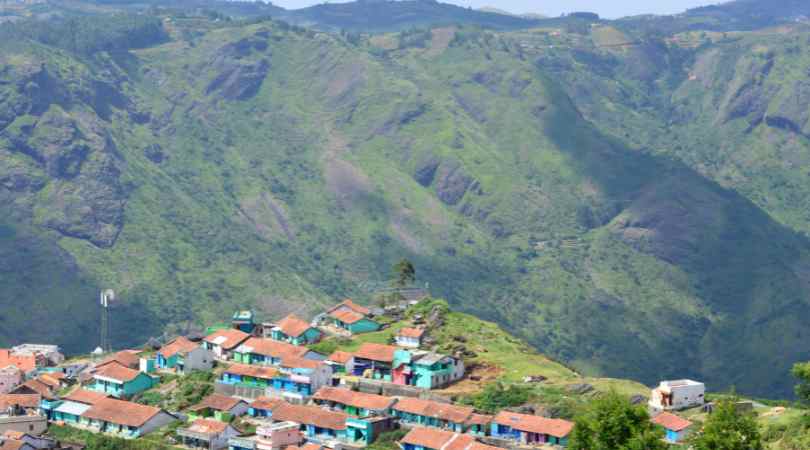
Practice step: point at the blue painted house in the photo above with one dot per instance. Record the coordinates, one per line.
(427, 413)
(527, 429)
(299, 378)
(263, 407)
(676, 428)
(266, 352)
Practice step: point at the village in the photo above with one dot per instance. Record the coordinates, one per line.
(283, 394)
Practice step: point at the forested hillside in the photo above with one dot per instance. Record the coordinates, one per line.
(628, 202)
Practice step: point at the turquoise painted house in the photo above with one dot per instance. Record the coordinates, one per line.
(321, 426)
(296, 331)
(433, 370)
(249, 376)
(530, 430)
(118, 381)
(352, 317)
(170, 354)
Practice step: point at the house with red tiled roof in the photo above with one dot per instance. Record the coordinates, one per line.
(321, 425)
(126, 358)
(70, 408)
(248, 376)
(410, 337)
(267, 352)
(339, 360)
(224, 342)
(207, 434)
(264, 406)
(294, 330)
(420, 438)
(358, 404)
(677, 428)
(183, 356)
(378, 361)
(478, 424)
(20, 404)
(351, 317)
(528, 429)
(123, 418)
(219, 407)
(428, 413)
(119, 381)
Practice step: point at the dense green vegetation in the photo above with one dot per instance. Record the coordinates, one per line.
(612, 423)
(629, 201)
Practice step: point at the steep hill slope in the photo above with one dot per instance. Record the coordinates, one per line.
(257, 164)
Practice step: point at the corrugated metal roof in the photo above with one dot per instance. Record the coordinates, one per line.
(76, 409)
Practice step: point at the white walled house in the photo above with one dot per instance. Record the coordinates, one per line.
(677, 394)
(410, 337)
(10, 378)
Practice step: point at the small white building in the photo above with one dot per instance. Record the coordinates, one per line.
(410, 337)
(677, 394)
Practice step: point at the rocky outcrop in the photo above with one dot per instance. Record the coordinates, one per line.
(792, 111)
(239, 81)
(747, 96)
(452, 182)
(236, 78)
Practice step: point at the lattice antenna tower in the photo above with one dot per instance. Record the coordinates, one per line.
(107, 296)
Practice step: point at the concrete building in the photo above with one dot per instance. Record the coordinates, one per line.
(676, 395)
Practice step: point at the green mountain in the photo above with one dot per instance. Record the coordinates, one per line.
(395, 15)
(629, 202)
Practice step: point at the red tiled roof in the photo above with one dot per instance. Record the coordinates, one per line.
(48, 381)
(178, 345)
(411, 332)
(671, 422)
(353, 398)
(217, 402)
(296, 362)
(310, 415)
(36, 386)
(347, 316)
(266, 403)
(437, 439)
(444, 411)
(85, 396)
(121, 412)
(117, 371)
(307, 446)
(22, 400)
(535, 424)
(126, 358)
(228, 338)
(348, 303)
(376, 352)
(293, 326)
(252, 371)
(208, 426)
(269, 347)
(340, 357)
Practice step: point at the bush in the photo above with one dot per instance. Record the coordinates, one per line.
(496, 397)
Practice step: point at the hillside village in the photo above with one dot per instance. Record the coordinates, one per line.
(384, 382)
